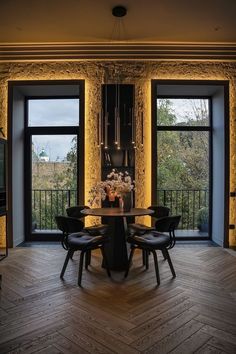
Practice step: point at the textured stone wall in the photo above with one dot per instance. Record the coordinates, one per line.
(139, 73)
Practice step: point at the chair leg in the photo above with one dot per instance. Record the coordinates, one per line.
(129, 261)
(145, 258)
(164, 254)
(72, 253)
(81, 261)
(156, 267)
(105, 261)
(68, 256)
(87, 259)
(170, 263)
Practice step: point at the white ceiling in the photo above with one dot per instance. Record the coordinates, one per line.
(159, 21)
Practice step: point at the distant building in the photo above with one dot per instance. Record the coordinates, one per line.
(43, 156)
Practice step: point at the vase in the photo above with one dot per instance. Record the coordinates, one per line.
(127, 201)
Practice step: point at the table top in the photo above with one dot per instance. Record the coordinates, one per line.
(116, 212)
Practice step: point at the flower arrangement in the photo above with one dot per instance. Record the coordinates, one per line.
(116, 184)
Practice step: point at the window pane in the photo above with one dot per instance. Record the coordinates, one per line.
(183, 174)
(54, 178)
(184, 112)
(53, 112)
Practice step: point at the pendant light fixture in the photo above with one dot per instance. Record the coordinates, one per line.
(118, 12)
(104, 119)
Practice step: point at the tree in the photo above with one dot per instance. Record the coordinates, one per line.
(54, 181)
(72, 167)
(182, 158)
(165, 115)
(182, 155)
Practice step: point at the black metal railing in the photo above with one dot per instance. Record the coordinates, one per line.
(184, 202)
(46, 203)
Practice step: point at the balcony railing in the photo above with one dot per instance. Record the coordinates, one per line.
(185, 203)
(47, 203)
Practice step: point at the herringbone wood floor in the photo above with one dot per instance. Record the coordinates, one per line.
(194, 313)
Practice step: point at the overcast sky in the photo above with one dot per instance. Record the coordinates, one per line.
(184, 108)
(53, 112)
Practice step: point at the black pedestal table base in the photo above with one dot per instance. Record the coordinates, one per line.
(116, 248)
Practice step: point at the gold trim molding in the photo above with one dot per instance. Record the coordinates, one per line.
(121, 50)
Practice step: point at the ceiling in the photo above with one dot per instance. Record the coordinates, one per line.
(165, 21)
(61, 23)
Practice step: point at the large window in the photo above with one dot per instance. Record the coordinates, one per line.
(182, 164)
(53, 161)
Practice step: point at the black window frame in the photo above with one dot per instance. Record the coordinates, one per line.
(156, 128)
(29, 131)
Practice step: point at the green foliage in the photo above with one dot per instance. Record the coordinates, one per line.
(165, 115)
(182, 155)
(72, 167)
(182, 160)
(58, 182)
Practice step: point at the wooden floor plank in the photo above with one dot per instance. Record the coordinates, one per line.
(228, 337)
(208, 349)
(173, 339)
(163, 331)
(223, 345)
(192, 343)
(193, 313)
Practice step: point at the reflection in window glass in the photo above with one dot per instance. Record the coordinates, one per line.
(53, 112)
(182, 111)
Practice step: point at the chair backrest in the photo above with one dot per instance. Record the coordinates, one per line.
(68, 225)
(75, 211)
(168, 224)
(159, 211)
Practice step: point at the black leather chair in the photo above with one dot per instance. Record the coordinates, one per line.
(85, 243)
(152, 241)
(68, 225)
(160, 211)
(75, 211)
(140, 229)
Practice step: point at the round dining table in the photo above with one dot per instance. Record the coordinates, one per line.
(116, 247)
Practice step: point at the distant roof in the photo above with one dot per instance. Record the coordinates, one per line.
(43, 153)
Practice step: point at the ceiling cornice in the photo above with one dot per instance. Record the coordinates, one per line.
(121, 50)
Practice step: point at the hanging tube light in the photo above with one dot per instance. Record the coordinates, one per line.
(133, 123)
(118, 117)
(106, 123)
(115, 125)
(106, 131)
